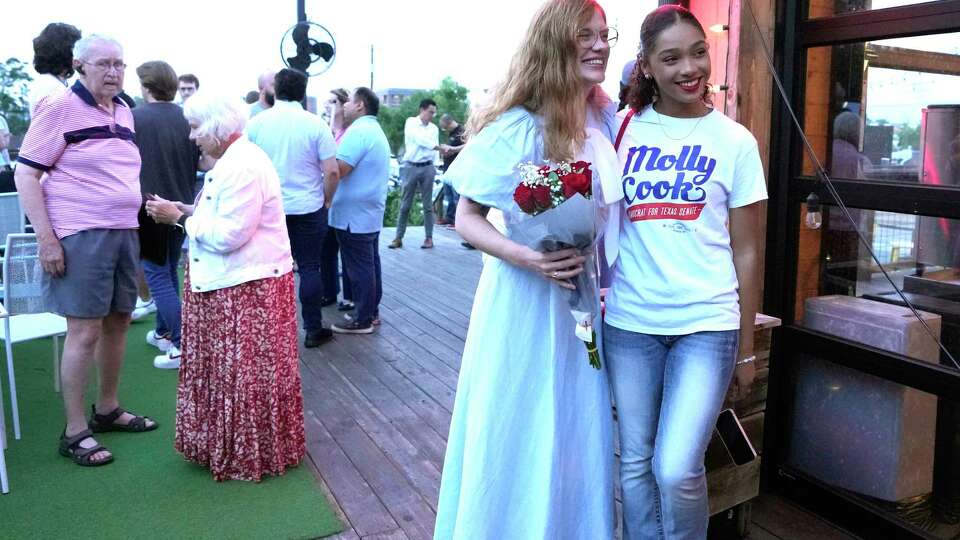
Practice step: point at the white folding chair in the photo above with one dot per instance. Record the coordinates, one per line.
(4, 481)
(27, 320)
(12, 219)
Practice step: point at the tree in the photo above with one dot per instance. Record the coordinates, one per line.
(13, 95)
(908, 136)
(392, 119)
(451, 99)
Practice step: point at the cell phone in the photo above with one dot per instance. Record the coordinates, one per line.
(734, 438)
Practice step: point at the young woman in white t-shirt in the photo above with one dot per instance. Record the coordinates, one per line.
(680, 313)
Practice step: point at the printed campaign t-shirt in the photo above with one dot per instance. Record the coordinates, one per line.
(674, 274)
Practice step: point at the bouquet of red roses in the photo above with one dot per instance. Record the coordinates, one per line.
(559, 199)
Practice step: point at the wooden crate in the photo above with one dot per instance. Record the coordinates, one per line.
(728, 484)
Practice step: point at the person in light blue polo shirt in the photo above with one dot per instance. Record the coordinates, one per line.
(303, 151)
(356, 212)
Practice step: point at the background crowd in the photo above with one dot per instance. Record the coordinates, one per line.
(239, 197)
(530, 449)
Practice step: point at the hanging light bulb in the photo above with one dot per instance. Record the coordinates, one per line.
(719, 28)
(814, 218)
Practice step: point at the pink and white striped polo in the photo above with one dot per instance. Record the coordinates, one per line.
(92, 162)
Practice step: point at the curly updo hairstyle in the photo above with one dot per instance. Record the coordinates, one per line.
(53, 50)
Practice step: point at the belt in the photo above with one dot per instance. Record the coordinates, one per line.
(421, 164)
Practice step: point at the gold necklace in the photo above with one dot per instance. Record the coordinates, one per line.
(667, 135)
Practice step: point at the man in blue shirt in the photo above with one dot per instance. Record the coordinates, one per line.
(301, 147)
(356, 213)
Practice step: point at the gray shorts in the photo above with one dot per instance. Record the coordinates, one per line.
(100, 277)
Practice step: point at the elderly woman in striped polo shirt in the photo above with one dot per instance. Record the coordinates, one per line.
(85, 217)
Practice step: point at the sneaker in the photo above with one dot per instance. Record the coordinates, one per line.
(352, 327)
(171, 360)
(143, 309)
(427, 243)
(345, 305)
(349, 318)
(318, 338)
(442, 221)
(161, 342)
(397, 243)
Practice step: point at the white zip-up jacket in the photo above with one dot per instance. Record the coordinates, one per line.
(238, 230)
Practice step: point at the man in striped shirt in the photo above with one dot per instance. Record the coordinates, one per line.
(85, 217)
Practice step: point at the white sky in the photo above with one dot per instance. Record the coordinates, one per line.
(228, 44)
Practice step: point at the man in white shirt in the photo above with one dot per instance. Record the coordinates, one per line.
(302, 149)
(421, 140)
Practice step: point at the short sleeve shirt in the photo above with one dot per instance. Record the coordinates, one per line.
(169, 157)
(360, 199)
(680, 178)
(297, 142)
(92, 161)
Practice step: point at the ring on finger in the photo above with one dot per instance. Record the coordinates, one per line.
(555, 274)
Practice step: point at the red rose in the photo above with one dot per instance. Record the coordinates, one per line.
(584, 168)
(574, 183)
(523, 195)
(541, 194)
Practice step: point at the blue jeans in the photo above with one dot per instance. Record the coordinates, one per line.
(668, 391)
(452, 197)
(330, 270)
(361, 262)
(164, 284)
(306, 242)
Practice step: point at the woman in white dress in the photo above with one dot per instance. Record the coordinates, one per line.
(530, 450)
(685, 283)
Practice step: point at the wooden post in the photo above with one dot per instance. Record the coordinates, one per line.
(750, 95)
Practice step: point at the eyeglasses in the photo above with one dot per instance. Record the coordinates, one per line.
(106, 65)
(587, 38)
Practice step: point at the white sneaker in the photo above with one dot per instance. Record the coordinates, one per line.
(143, 309)
(171, 360)
(159, 342)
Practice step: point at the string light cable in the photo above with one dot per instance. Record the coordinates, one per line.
(831, 189)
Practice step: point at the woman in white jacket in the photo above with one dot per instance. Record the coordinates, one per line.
(239, 402)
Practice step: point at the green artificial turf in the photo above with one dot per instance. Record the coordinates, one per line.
(149, 491)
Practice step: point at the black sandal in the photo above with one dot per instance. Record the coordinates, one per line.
(101, 423)
(70, 447)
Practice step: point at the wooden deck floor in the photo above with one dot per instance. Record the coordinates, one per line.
(378, 406)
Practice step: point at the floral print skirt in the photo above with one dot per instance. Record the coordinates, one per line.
(239, 401)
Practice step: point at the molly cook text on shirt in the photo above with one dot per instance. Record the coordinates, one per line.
(693, 170)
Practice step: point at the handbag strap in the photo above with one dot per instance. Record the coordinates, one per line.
(623, 127)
